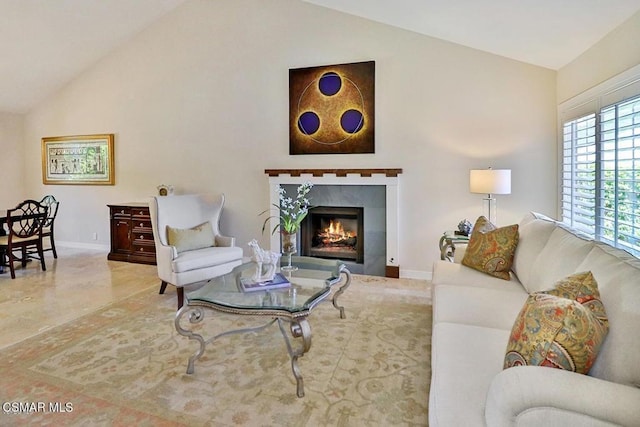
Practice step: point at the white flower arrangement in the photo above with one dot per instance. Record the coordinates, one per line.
(291, 211)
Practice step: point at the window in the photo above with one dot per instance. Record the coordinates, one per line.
(600, 193)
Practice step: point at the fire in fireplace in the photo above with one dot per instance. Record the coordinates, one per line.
(333, 232)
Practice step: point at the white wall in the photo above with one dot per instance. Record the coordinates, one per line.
(12, 160)
(618, 51)
(200, 100)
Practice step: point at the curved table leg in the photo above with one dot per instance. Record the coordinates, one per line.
(343, 270)
(299, 328)
(196, 314)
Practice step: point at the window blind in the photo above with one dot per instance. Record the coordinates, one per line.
(579, 175)
(600, 194)
(619, 175)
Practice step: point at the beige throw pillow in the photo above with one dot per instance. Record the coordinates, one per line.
(188, 239)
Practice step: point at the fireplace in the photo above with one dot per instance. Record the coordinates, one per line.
(376, 190)
(333, 232)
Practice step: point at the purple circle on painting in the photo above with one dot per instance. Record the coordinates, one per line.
(309, 123)
(330, 83)
(352, 121)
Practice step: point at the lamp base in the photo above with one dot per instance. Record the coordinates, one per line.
(489, 207)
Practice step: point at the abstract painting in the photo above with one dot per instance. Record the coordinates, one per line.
(331, 109)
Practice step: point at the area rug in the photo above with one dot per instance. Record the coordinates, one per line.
(125, 365)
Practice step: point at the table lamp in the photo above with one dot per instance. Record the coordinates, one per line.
(489, 182)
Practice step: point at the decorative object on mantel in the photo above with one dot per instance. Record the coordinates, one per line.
(331, 109)
(291, 213)
(81, 159)
(490, 181)
(264, 258)
(165, 190)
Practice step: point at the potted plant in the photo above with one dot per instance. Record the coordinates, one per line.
(291, 212)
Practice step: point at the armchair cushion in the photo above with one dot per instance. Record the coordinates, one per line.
(187, 239)
(206, 257)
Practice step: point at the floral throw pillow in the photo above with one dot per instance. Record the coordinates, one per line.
(491, 249)
(559, 332)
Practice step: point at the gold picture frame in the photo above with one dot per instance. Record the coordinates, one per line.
(80, 160)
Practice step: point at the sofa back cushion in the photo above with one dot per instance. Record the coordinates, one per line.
(534, 232)
(560, 257)
(618, 277)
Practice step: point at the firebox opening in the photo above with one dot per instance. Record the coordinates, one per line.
(334, 232)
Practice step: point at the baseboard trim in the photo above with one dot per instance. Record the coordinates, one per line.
(79, 245)
(415, 274)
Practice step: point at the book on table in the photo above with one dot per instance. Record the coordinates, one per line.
(250, 285)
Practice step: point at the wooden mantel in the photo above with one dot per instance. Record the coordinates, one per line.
(337, 172)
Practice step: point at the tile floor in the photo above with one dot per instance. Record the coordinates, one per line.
(78, 282)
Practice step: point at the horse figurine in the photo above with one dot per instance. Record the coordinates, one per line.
(265, 258)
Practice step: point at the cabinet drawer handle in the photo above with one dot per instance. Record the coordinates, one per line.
(122, 211)
(142, 224)
(141, 213)
(141, 237)
(141, 249)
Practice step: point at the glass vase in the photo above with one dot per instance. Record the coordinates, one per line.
(289, 247)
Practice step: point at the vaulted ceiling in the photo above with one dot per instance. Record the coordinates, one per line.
(45, 44)
(548, 33)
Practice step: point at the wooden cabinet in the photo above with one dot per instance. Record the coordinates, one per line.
(131, 234)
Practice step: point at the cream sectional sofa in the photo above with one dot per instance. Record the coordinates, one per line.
(473, 314)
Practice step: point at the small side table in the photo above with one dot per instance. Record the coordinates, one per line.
(448, 243)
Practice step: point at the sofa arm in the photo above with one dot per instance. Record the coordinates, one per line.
(534, 396)
(225, 241)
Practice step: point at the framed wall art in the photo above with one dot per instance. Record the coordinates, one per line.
(331, 109)
(83, 159)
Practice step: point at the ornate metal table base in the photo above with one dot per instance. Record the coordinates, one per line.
(294, 319)
(343, 270)
(299, 328)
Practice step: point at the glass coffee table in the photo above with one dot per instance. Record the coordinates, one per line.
(313, 282)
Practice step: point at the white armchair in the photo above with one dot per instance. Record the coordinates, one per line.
(181, 265)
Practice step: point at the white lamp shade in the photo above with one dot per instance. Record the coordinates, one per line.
(490, 181)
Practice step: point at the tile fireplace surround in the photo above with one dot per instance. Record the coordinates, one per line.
(382, 177)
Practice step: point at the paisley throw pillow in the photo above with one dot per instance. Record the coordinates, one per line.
(559, 332)
(491, 249)
(583, 288)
